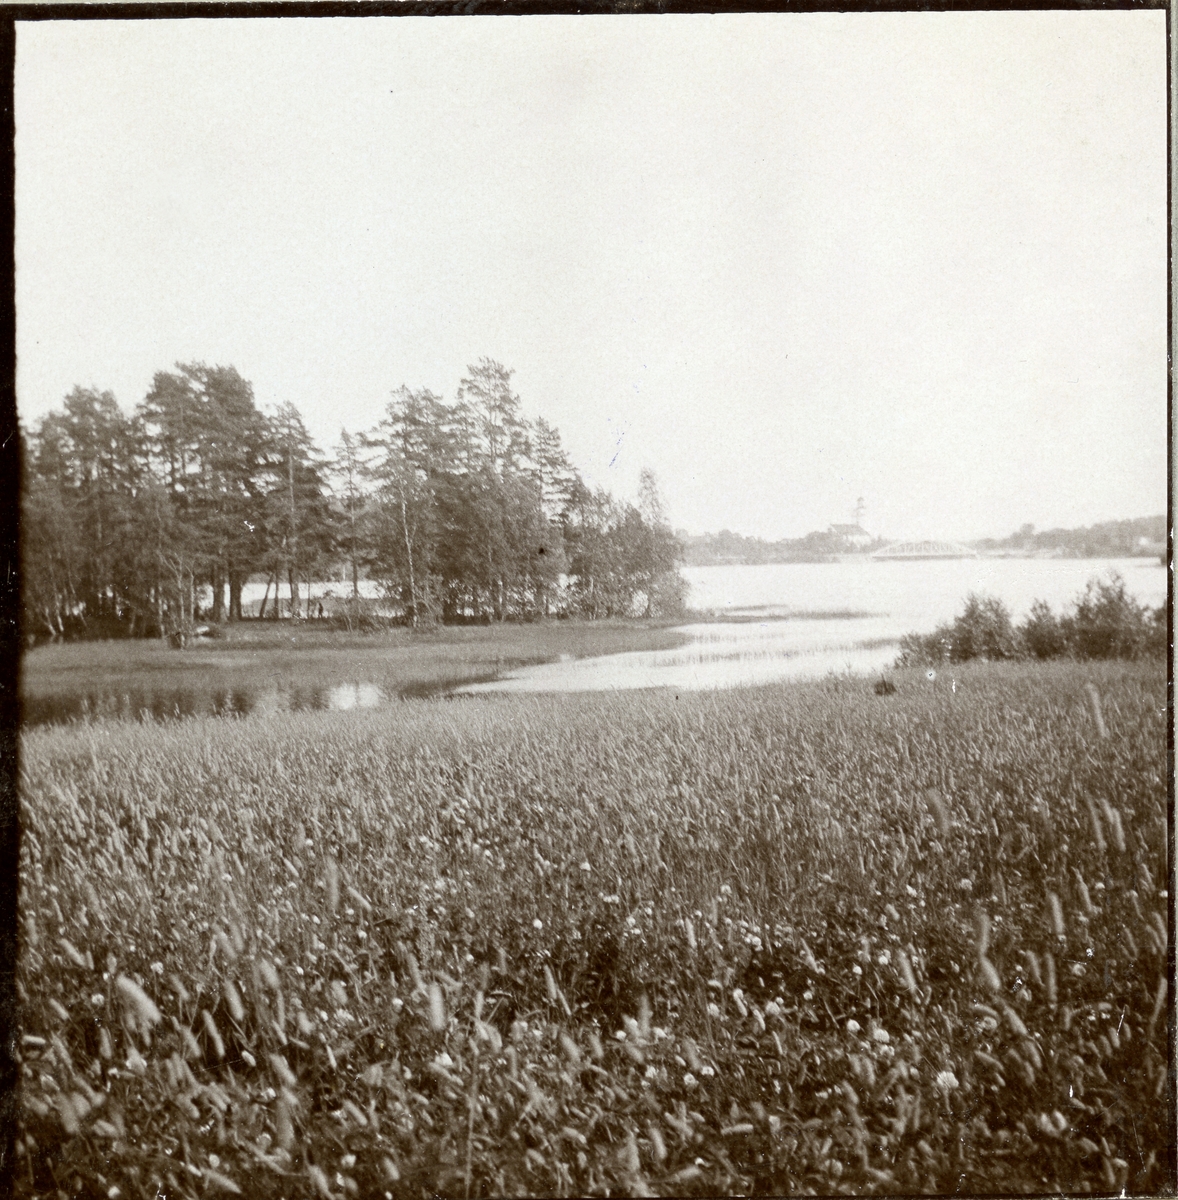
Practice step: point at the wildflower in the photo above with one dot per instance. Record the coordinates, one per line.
(853, 1026)
(651, 1072)
(713, 1009)
(856, 970)
(214, 1161)
(689, 1080)
(725, 890)
(771, 1009)
(709, 1071)
(97, 999)
(807, 995)
(157, 968)
(966, 885)
(348, 1160)
(930, 674)
(946, 1081)
(586, 867)
(884, 957)
(881, 1035)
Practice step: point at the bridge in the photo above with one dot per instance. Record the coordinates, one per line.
(910, 551)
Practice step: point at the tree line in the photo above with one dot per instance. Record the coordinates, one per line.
(143, 523)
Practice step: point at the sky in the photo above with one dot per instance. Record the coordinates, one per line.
(784, 260)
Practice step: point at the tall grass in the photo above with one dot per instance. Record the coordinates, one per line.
(788, 939)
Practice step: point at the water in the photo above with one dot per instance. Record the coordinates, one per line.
(171, 703)
(805, 620)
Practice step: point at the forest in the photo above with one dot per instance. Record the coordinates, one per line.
(143, 524)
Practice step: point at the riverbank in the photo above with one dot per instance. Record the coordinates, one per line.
(302, 661)
(790, 938)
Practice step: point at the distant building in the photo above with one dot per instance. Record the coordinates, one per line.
(853, 535)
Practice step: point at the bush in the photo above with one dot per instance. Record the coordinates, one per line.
(1109, 623)
(1105, 622)
(1042, 634)
(983, 631)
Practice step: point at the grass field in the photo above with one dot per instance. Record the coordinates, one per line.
(255, 655)
(791, 939)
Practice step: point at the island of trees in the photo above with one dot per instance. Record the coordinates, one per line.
(144, 523)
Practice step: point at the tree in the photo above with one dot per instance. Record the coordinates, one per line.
(299, 522)
(213, 445)
(486, 391)
(350, 467)
(414, 450)
(83, 468)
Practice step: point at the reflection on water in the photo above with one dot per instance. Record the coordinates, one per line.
(171, 704)
(721, 655)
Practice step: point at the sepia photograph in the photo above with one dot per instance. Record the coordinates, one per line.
(595, 603)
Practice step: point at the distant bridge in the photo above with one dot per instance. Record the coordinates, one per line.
(907, 551)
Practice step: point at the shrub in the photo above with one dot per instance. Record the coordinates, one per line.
(1109, 623)
(1105, 622)
(1042, 635)
(983, 631)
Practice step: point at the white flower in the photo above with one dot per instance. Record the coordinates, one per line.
(97, 999)
(853, 1026)
(807, 995)
(689, 1080)
(537, 924)
(585, 866)
(348, 1160)
(930, 674)
(157, 968)
(771, 1009)
(709, 1071)
(856, 970)
(713, 1009)
(946, 1081)
(966, 885)
(214, 1161)
(881, 1035)
(651, 1072)
(884, 957)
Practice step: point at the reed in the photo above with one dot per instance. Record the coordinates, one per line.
(775, 939)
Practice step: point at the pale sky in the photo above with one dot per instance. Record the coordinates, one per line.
(785, 260)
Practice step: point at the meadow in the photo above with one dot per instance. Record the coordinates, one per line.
(798, 938)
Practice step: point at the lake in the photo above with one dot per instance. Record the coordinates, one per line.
(805, 620)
